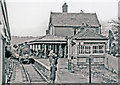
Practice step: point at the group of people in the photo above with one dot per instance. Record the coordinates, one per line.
(40, 53)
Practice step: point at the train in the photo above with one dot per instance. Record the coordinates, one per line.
(25, 55)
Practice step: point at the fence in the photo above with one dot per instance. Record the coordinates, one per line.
(111, 63)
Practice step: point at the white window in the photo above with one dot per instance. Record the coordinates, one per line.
(84, 49)
(81, 50)
(101, 49)
(95, 49)
(98, 49)
(88, 48)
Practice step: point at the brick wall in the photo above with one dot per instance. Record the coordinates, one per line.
(64, 31)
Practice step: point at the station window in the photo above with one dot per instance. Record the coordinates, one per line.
(101, 49)
(84, 49)
(81, 49)
(87, 50)
(95, 49)
(98, 49)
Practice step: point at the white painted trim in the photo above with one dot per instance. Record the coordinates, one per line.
(48, 42)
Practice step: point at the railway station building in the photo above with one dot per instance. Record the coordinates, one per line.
(73, 35)
(89, 44)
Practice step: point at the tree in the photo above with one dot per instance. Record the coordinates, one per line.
(116, 25)
(111, 38)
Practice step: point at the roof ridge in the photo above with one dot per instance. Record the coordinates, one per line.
(70, 13)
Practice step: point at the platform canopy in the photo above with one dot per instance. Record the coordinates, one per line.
(49, 39)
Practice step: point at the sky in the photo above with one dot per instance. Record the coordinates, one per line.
(31, 17)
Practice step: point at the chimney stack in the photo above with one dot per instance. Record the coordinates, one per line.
(65, 8)
(81, 11)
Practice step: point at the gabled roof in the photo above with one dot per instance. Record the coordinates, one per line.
(74, 19)
(89, 34)
(50, 39)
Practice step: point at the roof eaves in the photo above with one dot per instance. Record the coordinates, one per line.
(97, 20)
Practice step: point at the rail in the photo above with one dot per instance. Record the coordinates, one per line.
(26, 74)
(40, 73)
(29, 76)
(45, 70)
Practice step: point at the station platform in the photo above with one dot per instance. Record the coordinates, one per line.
(17, 76)
(63, 74)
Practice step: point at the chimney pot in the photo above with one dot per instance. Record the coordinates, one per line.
(65, 8)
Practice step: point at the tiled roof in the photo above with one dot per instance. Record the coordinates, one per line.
(74, 19)
(51, 38)
(88, 34)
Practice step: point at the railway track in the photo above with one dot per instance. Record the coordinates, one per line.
(33, 75)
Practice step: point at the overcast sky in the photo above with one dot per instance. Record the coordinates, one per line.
(31, 17)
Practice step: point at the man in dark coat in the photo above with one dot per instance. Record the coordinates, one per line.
(53, 70)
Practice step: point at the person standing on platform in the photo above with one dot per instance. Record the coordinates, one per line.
(40, 53)
(53, 70)
(53, 66)
(55, 60)
(51, 57)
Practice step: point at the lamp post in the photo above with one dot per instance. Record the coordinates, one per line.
(70, 51)
(89, 70)
(89, 62)
(69, 59)
(82, 44)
